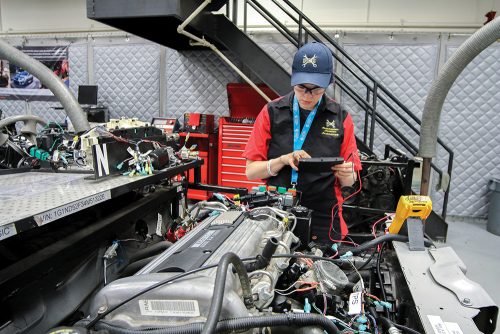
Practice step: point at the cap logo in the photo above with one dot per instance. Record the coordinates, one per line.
(311, 61)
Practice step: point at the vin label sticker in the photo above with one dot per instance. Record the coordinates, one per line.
(169, 308)
(7, 231)
(67, 209)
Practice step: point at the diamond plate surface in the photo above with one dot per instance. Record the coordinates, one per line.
(405, 70)
(281, 53)
(77, 55)
(46, 111)
(469, 124)
(196, 83)
(12, 108)
(128, 79)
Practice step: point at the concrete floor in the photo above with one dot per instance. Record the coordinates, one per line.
(480, 251)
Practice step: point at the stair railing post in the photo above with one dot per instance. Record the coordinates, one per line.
(365, 130)
(245, 9)
(235, 12)
(374, 111)
(300, 31)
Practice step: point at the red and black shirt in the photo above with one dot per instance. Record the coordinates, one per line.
(331, 134)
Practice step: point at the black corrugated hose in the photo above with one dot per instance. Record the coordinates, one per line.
(385, 238)
(238, 324)
(220, 282)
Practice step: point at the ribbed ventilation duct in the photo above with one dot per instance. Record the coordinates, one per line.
(473, 46)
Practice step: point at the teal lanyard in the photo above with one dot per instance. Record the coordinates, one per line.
(300, 136)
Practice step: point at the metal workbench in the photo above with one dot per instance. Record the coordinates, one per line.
(34, 198)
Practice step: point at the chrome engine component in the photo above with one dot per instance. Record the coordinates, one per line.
(333, 279)
(188, 299)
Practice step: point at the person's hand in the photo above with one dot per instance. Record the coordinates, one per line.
(344, 172)
(292, 159)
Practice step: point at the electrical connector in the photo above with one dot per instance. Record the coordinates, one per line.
(387, 305)
(346, 256)
(361, 319)
(111, 251)
(335, 247)
(307, 306)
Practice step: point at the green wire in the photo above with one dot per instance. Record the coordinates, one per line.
(55, 141)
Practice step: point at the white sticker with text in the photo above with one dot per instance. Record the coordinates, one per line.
(7, 231)
(68, 209)
(169, 308)
(453, 328)
(355, 303)
(437, 324)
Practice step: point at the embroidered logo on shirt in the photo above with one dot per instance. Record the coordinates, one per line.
(330, 124)
(330, 130)
(311, 61)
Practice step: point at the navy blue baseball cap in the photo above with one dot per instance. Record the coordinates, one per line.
(313, 64)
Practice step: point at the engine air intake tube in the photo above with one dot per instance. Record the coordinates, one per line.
(238, 324)
(263, 259)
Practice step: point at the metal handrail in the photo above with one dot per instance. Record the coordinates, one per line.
(374, 89)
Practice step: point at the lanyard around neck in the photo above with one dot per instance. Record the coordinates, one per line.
(299, 137)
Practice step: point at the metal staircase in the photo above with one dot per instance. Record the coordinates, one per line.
(157, 20)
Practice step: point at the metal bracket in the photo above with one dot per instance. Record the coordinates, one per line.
(449, 271)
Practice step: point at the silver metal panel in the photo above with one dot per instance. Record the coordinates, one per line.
(430, 298)
(196, 83)
(24, 195)
(449, 271)
(128, 79)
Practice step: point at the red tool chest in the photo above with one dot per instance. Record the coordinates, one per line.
(207, 148)
(233, 137)
(234, 132)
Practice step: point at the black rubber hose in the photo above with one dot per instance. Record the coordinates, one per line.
(220, 282)
(134, 267)
(406, 329)
(386, 324)
(263, 259)
(385, 238)
(150, 251)
(380, 280)
(238, 324)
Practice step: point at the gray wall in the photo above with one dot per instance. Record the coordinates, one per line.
(141, 79)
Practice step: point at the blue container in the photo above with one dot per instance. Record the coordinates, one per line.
(493, 225)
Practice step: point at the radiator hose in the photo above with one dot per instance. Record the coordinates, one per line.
(220, 282)
(238, 324)
(263, 259)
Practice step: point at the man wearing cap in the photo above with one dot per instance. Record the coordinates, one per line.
(302, 124)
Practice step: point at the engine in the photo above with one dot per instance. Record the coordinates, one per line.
(188, 299)
(283, 283)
